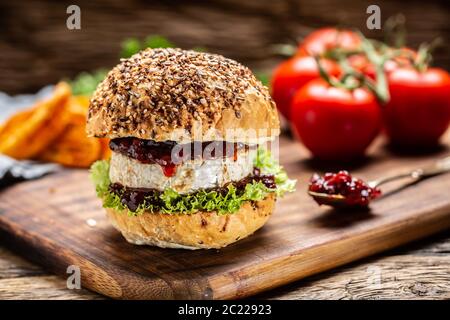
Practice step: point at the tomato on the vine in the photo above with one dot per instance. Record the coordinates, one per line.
(361, 63)
(418, 112)
(321, 41)
(335, 123)
(405, 58)
(294, 73)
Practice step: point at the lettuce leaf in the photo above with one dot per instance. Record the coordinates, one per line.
(100, 177)
(268, 165)
(85, 83)
(171, 202)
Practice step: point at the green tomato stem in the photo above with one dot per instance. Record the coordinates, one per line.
(380, 89)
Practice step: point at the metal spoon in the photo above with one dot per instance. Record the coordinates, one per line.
(338, 200)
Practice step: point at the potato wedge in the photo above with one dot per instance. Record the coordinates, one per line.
(28, 133)
(106, 151)
(73, 148)
(15, 121)
(79, 105)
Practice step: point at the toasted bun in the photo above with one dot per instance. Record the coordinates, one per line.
(178, 95)
(201, 230)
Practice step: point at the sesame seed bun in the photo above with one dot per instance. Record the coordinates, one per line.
(201, 230)
(179, 95)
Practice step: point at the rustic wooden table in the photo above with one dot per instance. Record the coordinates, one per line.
(36, 36)
(418, 271)
(36, 48)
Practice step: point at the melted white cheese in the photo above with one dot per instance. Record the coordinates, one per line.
(189, 177)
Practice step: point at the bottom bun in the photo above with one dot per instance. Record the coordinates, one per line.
(201, 230)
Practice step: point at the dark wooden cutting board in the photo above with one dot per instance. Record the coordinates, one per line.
(47, 221)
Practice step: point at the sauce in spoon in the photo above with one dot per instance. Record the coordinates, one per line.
(341, 189)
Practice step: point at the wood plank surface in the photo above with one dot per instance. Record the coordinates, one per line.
(23, 280)
(36, 48)
(418, 271)
(423, 267)
(47, 220)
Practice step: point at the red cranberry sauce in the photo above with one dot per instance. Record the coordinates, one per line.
(133, 197)
(355, 191)
(169, 154)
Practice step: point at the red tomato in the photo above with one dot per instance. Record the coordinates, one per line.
(404, 59)
(322, 40)
(360, 62)
(291, 75)
(418, 112)
(335, 123)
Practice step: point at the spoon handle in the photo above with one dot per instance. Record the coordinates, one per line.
(440, 166)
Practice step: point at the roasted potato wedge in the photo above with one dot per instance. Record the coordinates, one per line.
(79, 105)
(54, 131)
(73, 148)
(15, 121)
(28, 133)
(106, 151)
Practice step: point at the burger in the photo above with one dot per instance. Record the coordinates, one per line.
(188, 167)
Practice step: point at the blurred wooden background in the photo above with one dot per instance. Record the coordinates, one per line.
(36, 48)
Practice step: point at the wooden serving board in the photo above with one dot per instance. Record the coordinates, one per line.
(46, 220)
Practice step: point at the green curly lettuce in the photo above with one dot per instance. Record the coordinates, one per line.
(268, 165)
(172, 202)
